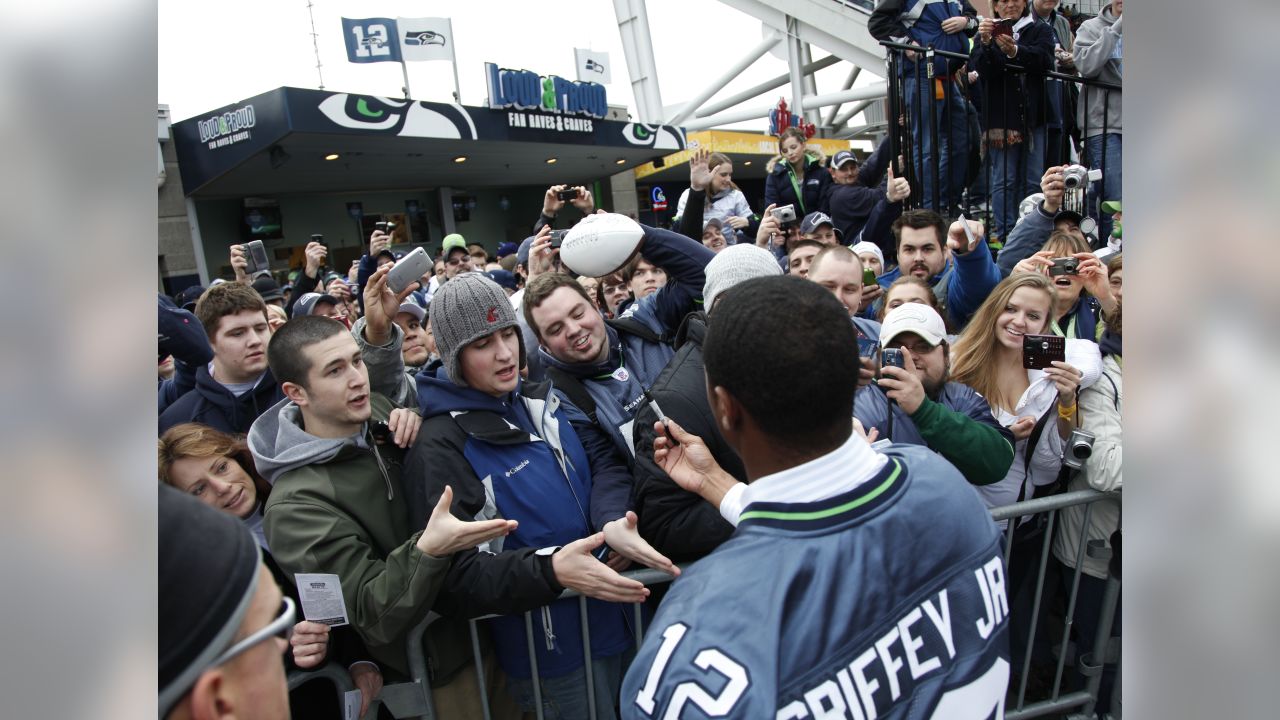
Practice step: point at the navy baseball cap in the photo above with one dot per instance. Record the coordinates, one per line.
(186, 298)
(522, 255)
(814, 220)
(503, 278)
(843, 157)
(507, 248)
(308, 302)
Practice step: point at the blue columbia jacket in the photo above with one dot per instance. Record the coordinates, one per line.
(516, 458)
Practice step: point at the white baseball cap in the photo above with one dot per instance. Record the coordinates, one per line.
(915, 318)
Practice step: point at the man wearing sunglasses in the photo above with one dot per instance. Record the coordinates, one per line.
(223, 623)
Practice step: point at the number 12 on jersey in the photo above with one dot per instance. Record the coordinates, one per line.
(690, 691)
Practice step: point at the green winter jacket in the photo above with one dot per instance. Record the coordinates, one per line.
(338, 506)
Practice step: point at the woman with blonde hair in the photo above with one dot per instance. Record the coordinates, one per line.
(723, 200)
(1039, 403)
(1038, 406)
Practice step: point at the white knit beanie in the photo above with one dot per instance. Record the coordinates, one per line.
(869, 247)
(735, 264)
(465, 309)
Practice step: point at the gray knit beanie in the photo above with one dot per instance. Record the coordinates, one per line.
(465, 309)
(735, 264)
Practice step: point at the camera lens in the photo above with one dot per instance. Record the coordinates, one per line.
(1044, 346)
(1082, 451)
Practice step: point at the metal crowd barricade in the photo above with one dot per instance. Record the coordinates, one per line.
(414, 698)
(921, 138)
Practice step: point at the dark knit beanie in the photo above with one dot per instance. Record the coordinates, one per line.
(465, 309)
(208, 574)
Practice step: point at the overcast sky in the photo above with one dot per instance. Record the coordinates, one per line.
(214, 54)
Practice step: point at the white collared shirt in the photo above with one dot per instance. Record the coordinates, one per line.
(837, 472)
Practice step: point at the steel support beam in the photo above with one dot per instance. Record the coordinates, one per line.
(809, 81)
(870, 92)
(867, 92)
(847, 115)
(793, 66)
(727, 77)
(764, 87)
(633, 27)
(848, 83)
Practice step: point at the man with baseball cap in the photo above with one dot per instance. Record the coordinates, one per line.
(713, 235)
(223, 624)
(314, 303)
(818, 226)
(856, 189)
(916, 405)
(456, 256)
(1031, 232)
(269, 289)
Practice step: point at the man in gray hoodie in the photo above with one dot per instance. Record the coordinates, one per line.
(334, 452)
(1099, 55)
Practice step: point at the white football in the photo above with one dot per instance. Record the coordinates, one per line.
(600, 244)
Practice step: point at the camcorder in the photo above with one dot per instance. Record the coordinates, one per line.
(1077, 176)
(1064, 266)
(786, 216)
(1079, 449)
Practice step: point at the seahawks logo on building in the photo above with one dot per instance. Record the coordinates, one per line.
(657, 137)
(398, 117)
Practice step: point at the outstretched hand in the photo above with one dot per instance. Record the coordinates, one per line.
(446, 534)
(576, 567)
(623, 536)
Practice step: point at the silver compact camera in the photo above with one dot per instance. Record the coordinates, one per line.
(1075, 176)
(1079, 449)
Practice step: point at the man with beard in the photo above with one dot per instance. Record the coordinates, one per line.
(948, 418)
(960, 271)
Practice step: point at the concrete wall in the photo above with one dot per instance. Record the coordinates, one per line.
(175, 253)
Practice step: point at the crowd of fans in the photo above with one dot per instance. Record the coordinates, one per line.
(503, 430)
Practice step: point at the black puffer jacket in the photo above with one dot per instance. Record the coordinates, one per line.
(678, 523)
(779, 190)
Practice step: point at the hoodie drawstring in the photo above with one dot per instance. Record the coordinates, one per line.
(385, 475)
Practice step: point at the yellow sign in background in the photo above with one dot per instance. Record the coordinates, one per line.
(738, 143)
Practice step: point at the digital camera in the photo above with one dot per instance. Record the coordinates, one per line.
(786, 215)
(1079, 449)
(1076, 176)
(1064, 266)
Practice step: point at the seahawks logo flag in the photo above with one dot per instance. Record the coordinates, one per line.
(593, 66)
(425, 39)
(398, 40)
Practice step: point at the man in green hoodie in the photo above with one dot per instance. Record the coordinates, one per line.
(333, 452)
